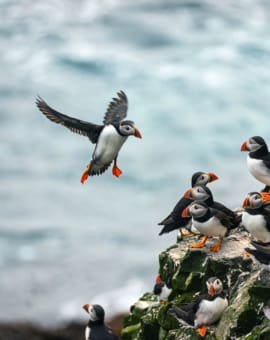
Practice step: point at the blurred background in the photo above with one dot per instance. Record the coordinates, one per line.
(197, 77)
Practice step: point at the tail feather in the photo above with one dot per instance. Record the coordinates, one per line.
(98, 169)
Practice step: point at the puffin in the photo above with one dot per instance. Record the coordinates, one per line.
(108, 137)
(261, 253)
(96, 329)
(258, 160)
(204, 310)
(256, 216)
(203, 193)
(209, 222)
(161, 289)
(174, 220)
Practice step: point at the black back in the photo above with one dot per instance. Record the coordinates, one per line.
(100, 331)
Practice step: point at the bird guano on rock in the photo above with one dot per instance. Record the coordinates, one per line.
(204, 310)
(96, 329)
(108, 137)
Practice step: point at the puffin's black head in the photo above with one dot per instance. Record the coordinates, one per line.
(253, 144)
(199, 193)
(202, 178)
(253, 200)
(196, 209)
(214, 285)
(96, 312)
(127, 128)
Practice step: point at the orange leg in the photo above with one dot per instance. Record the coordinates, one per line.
(200, 244)
(115, 170)
(202, 330)
(217, 246)
(85, 173)
(247, 254)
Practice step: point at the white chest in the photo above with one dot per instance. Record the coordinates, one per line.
(210, 311)
(258, 170)
(212, 227)
(87, 333)
(256, 226)
(108, 145)
(267, 312)
(165, 293)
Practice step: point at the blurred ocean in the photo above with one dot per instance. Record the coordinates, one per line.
(197, 75)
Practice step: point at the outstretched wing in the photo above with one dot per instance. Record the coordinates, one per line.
(117, 109)
(81, 127)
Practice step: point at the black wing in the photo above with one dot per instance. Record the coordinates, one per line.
(117, 109)
(175, 220)
(81, 127)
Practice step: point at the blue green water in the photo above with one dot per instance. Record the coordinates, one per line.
(197, 77)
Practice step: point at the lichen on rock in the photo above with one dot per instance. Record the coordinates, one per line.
(186, 271)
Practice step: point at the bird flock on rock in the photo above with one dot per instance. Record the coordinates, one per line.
(195, 213)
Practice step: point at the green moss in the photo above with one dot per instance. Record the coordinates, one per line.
(131, 332)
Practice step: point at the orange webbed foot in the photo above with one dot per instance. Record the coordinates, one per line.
(247, 254)
(202, 330)
(186, 233)
(85, 173)
(200, 244)
(116, 171)
(216, 247)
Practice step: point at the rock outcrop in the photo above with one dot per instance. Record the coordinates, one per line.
(186, 270)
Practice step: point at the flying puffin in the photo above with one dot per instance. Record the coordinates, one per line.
(209, 222)
(161, 289)
(174, 220)
(258, 160)
(108, 137)
(96, 329)
(203, 193)
(261, 253)
(205, 310)
(256, 217)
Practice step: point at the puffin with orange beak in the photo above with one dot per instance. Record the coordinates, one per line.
(205, 310)
(258, 160)
(108, 137)
(256, 216)
(204, 194)
(161, 289)
(209, 222)
(174, 220)
(96, 329)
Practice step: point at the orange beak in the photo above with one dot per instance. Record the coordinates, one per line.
(188, 193)
(244, 147)
(211, 290)
(186, 212)
(212, 176)
(86, 306)
(158, 279)
(246, 202)
(265, 196)
(137, 133)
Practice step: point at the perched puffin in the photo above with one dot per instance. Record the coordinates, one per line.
(258, 159)
(209, 222)
(108, 137)
(256, 217)
(161, 289)
(203, 193)
(174, 220)
(261, 253)
(205, 310)
(96, 329)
